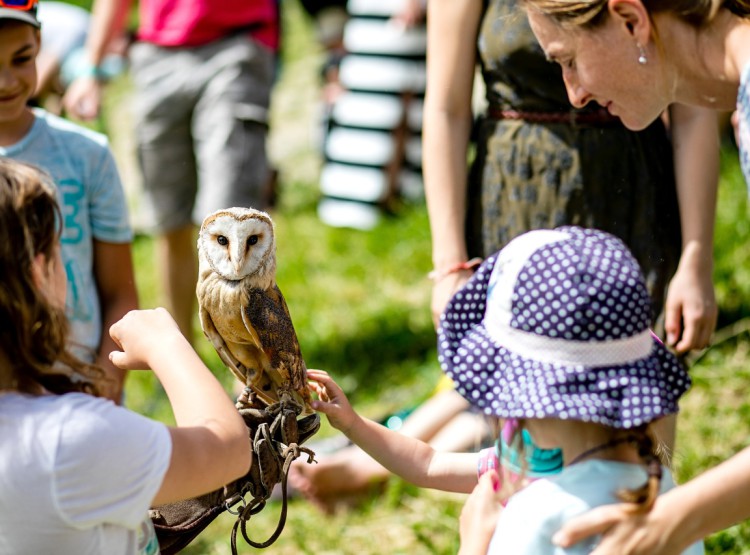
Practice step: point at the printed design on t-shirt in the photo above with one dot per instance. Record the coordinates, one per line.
(72, 195)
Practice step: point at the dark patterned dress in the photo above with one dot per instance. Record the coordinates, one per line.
(541, 175)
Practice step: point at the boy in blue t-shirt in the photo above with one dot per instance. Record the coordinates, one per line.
(96, 239)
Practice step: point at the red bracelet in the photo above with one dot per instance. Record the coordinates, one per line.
(437, 275)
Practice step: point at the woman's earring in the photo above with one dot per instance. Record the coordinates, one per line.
(642, 55)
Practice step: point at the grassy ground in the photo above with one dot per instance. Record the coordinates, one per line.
(360, 301)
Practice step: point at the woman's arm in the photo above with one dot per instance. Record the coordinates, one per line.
(718, 498)
(691, 309)
(407, 457)
(115, 284)
(452, 27)
(210, 444)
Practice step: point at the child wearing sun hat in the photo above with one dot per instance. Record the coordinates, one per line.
(553, 332)
(551, 336)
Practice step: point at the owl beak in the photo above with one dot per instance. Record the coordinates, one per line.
(238, 258)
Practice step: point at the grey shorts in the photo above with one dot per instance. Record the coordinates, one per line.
(201, 125)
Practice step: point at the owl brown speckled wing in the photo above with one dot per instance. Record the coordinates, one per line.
(256, 341)
(280, 364)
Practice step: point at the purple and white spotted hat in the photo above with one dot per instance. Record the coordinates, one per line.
(556, 325)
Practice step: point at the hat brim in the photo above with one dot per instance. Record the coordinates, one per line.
(505, 384)
(20, 15)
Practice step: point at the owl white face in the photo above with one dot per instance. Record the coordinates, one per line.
(238, 242)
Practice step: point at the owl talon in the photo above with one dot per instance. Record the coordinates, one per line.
(247, 397)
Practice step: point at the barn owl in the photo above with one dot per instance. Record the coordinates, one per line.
(242, 310)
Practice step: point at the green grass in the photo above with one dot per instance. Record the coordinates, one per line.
(360, 304)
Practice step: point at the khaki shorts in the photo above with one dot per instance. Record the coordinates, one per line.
(201, 125)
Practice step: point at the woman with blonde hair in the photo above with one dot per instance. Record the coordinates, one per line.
(635, 58)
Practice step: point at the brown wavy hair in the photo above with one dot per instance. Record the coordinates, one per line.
(591, 13)
(33, 332)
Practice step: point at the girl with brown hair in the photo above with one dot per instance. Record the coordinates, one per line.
(77, 472)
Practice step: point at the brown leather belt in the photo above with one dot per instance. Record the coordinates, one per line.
(593, 117)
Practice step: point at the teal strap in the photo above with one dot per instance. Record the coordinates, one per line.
(539, 462)
(90, 70)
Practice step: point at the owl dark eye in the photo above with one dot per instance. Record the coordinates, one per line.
(223, 241)
(253, 239)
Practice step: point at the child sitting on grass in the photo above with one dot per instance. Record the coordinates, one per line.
(551, 332)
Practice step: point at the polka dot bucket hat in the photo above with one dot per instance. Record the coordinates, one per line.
(556, 325)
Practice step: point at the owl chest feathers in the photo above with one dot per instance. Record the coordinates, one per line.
(225, 300)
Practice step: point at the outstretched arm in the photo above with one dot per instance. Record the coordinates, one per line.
(710, 502)
(210, 444)
(691, 309)
(410, 458)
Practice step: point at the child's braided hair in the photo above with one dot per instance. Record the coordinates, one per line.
(643, 498)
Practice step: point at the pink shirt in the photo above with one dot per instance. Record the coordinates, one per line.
(199, 22)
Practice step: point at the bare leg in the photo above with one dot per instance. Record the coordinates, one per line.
(178, 268)
(431, 416)
(350, 472)
(464, 433)
(337, 478)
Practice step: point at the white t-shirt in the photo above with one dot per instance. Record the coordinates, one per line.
(534, 514)
(77, 476)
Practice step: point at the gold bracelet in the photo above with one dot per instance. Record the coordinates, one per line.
(437, 275)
